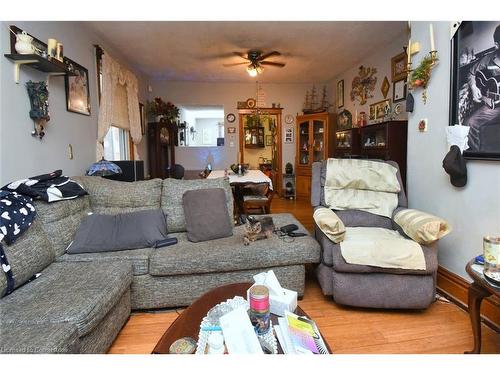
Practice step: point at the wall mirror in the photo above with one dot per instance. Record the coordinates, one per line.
(201, 126)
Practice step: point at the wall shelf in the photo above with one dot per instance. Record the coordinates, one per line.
(48, 65)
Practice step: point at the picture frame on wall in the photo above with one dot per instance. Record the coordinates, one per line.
(399, 90)
(398, 67)
(77, 90)
(340, 93)
(379, 110)
(475, 89)
(288, 135)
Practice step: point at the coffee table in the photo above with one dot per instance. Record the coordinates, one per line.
(188, 322)
(479, 289)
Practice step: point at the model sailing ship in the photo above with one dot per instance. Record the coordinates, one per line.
(312, 106)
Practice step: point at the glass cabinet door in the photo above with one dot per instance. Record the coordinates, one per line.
(304, 143)
(318, 144)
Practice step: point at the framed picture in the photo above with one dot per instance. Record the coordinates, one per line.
(475, 87)
(288, 135)
(384, 89)
(399, 91)
(398, 66)
(380, 109)
(142, 115)
(269, 140)
(77, 90)
(340, 93)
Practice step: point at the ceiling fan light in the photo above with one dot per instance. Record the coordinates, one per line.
(259, 69)
(252, 72)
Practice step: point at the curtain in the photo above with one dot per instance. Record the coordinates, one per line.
(119, 103)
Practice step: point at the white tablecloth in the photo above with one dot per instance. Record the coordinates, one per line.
(252, 175)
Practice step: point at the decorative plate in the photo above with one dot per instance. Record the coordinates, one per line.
(251, 103)
(230, 117)
(288, 119)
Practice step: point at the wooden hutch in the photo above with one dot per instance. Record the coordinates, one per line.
(314, 143)
(385, 140)
(162, 138)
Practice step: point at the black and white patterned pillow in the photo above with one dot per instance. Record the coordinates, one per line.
(16, 216)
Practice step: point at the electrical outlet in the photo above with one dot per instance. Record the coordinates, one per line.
(422, 125)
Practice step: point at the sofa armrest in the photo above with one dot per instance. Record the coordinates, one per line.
(420, 226)
(316, 184)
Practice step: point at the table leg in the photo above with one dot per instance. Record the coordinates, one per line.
(475, 297)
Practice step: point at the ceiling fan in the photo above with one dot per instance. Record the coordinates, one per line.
(256, 61)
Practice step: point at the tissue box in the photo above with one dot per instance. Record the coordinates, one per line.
(285, 302)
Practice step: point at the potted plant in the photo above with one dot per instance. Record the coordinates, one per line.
(162, 111)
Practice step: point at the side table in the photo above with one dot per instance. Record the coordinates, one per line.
(479, 289)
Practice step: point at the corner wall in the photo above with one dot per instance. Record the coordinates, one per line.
(474, 210)
(22, 155)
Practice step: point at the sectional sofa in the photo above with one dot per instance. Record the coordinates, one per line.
(80, 302)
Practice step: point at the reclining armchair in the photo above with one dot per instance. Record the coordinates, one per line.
(366, 285)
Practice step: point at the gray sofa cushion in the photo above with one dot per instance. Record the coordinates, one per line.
(131, 230)
(171, 198)
(61, 220)
(206, 214)
(138, 257)
(80, 293)
(30, 254)
(229, 254)
(44, 338)
(331, 256)
(115, 197)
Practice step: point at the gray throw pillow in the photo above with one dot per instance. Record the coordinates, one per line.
(206, 213)
(134, 230)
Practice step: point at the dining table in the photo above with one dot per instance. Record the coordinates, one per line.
(251, 176)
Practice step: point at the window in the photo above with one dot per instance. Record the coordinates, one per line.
(117, 143)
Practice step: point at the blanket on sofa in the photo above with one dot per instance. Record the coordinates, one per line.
(361, 185)
(381, 247)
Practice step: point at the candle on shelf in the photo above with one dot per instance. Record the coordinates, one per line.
(408, 51)
(356, 117)
(431, 32)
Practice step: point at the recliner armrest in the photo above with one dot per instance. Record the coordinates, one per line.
(420, 226)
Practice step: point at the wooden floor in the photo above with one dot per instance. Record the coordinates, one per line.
(442, 328)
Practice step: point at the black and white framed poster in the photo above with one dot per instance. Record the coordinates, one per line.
(77, 90)
(475, 86)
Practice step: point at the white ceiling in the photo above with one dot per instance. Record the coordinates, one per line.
(195, 51)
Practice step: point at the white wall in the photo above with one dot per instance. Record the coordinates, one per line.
(380, 60)
(290, 96)
(22, 155)
(474, 210)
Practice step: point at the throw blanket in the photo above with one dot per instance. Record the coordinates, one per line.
(50, 187)
(16, 216)
(381, 247)
(361, 185)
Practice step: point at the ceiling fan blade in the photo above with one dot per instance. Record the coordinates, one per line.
(234, 64)
(271, 63)
(269, 54)
(242, 55)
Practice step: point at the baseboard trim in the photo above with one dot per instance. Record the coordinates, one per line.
(455, 288)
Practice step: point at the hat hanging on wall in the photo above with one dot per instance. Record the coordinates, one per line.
(454, 165)
(409, 102)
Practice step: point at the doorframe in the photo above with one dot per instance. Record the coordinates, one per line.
(271, 111)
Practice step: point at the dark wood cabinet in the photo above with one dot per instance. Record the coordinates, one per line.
(347, 143)
(386, 141)
(161, 148)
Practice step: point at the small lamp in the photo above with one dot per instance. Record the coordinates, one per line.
(103, 168)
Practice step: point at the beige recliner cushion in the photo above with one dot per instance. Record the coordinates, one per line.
(422, 227)
(330, 224)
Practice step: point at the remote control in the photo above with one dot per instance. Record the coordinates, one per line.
(289, 228)
(166, 242)
(296, 234)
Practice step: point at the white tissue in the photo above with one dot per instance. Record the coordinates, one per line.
(458, 135)
(270, 280)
